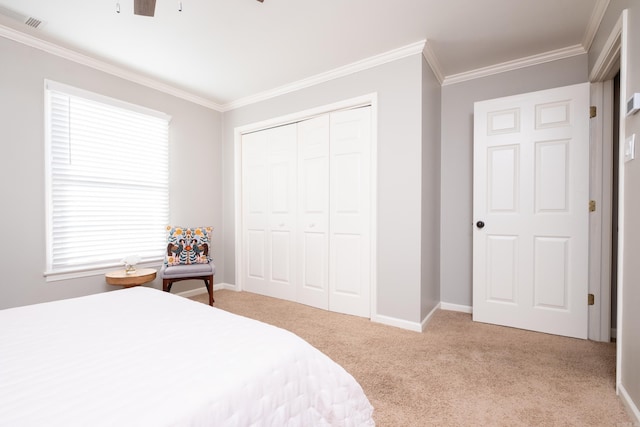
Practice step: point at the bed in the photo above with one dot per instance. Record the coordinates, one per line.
(143, 357)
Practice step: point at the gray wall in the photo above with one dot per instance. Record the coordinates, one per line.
(631, 267)
(194, 160)
(399, 198)
(430, 263)
(457, 160)
(631, 270)
(630, 289)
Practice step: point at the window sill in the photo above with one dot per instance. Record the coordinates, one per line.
(81, 272)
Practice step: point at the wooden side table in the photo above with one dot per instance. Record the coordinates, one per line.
(136, 278)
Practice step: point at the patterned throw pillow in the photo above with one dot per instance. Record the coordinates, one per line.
(187, 245)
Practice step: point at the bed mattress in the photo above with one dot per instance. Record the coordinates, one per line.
(142, 357)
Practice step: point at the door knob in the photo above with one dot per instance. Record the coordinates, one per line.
(480, 224)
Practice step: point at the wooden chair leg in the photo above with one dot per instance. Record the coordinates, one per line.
(208, 282)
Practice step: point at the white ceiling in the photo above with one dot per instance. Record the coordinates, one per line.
(225, 51)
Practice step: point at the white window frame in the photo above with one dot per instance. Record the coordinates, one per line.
(62, 272)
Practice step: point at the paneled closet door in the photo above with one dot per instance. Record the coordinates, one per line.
(350, 212)
(313, 212)
(269, 211)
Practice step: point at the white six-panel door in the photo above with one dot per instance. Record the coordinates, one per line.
(306, 211)
(350, 216)
(313, 212)
(269, 177)
(531, 189)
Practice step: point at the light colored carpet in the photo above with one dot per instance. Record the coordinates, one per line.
(456, 373)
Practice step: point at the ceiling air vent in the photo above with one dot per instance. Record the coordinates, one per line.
(27, 20)
(33, 22)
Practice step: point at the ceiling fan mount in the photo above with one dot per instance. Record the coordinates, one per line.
(144, 7)
(148, 7)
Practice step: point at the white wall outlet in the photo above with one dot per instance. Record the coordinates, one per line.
(630, 148)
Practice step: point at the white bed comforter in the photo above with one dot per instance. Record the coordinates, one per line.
(142, 357)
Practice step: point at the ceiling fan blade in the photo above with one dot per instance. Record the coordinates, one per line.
(260, 1)
(144, 7)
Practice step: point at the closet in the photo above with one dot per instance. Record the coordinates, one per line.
(306, 211)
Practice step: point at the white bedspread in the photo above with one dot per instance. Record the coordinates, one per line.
(142, 357)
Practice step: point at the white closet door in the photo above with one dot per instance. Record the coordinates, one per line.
(349, 240)
(313, 212)
(269, 211)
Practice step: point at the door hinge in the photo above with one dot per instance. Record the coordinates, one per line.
(592, 205)
(591, 299)
(593, 111)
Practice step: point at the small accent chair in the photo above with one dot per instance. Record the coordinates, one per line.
(175, 273)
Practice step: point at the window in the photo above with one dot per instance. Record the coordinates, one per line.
(107, 180)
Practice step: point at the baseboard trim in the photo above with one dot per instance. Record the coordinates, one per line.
(398, 323)
(456, 307)
(419, 327)
(427, 319)
(631, 407)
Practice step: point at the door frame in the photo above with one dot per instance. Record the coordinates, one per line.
(370, 100)
(613, 57)
(600, 221)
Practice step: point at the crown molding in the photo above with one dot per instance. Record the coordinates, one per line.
(71, 55)
(528, 61)
(423, 47)
(433, 62)
(346, 70)
(594, 23)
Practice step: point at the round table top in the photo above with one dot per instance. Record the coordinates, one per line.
(133, 278)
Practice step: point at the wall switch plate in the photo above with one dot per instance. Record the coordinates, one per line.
(630, 148)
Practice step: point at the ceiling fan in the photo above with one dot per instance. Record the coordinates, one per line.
(148, 7)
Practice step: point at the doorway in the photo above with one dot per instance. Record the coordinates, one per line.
(614, 207)
(604, 183)
(606, 74)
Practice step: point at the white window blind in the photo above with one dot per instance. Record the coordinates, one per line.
(108, 180)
